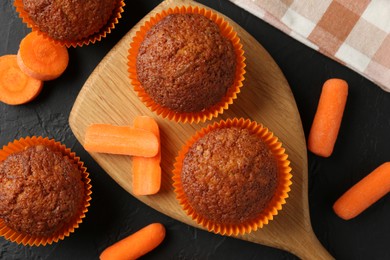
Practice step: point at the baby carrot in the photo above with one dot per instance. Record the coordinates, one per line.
(327, 120)
(136, 245)
(41, 58)
(106, 138)
(364, 193)
(16, 87)
(147, 170)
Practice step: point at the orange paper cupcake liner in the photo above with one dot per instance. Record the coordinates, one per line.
(22, 144)
(280, 195)
(208, 113)
(92, 39)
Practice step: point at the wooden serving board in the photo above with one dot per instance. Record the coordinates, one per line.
(108, 97)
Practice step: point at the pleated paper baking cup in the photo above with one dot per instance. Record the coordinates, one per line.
(241, 226)
(21, 237)
(209, 112)
(91, 39)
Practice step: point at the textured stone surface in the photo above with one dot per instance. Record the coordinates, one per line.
(362, 145)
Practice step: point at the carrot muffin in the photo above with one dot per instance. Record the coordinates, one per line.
(185, 64)
(232, 177)
(69, 20)
(229, 176)
(41, 191)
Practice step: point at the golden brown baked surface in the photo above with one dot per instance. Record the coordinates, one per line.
(69, 19)
(229, 176)
(41, 191)
(185, 64)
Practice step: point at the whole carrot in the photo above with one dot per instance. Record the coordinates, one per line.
(137, 244)
(364, 193)
(327, 120)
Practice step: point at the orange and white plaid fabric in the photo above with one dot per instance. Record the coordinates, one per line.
(355, 33)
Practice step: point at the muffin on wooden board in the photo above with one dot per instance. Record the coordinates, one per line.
(45, 191)
(232, 177)
(71, 22)
(186, 64)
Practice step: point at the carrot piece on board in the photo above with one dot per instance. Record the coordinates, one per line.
(137, 244)
(106, 138)
(41, 58)
(327, 120)
(364, 193)
(147, 171)
(16, 87)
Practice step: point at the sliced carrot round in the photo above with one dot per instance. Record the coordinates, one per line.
(41, 58)
(16, 87)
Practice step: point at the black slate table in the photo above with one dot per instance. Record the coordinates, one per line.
(362, 145)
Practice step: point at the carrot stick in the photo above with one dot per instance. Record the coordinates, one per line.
(41, 58)
(327, 120)
(16, 87)
(364, 193)
(147, 171)
(106, 138)
(136, 245)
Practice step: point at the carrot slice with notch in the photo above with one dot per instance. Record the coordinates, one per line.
(41, 58)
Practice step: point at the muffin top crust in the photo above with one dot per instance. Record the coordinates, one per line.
(185, 64)
(70, 20)
(229, 175)
(41, 191)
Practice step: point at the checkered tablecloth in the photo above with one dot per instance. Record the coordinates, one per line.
(356, 33)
